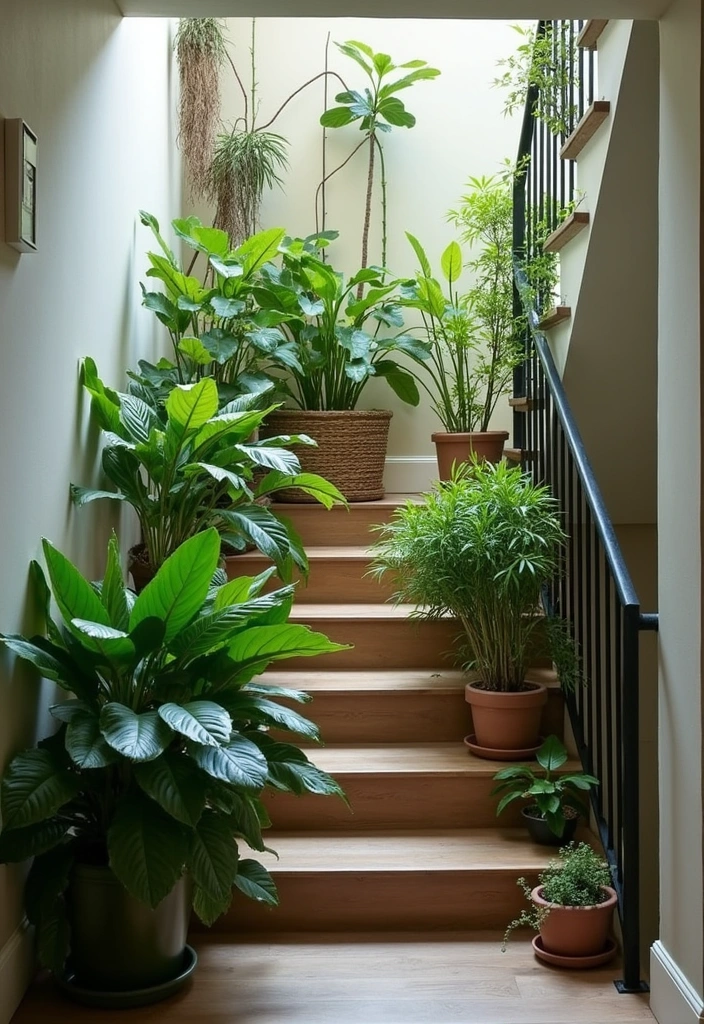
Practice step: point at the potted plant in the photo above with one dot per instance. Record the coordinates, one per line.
(133, 810)
(194, 469)
(479, 548)
(571, 909)
(339, 346)
(554, 803)
(474, 338)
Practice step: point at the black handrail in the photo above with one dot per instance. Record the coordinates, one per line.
(594, 592)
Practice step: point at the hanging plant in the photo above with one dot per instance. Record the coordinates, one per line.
(200, 52)
(245, 163)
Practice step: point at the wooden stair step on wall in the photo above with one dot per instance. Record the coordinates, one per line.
(339, 525)
(593, 118)
(590, 33)
(334, 572)
(555, 316)
(569, 229)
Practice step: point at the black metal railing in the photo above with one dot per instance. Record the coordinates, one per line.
(593, 593)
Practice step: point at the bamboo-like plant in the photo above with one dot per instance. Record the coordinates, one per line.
(479, 547)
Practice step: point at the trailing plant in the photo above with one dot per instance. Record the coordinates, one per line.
(545, 792)
(200, 53)
(377, 108)
(197, 469)
(163, 749)
(479, 547)
(547, 61)
(575, 880)
(337, 338)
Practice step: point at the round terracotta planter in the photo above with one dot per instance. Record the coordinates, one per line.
(119, 944)
(506, 721)
(576, 931)
(453, 449)
(351, 451)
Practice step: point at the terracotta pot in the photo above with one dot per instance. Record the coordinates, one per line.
(457, 448)
(576, 931)
(141, 571)
(540, 831)
(506, 721)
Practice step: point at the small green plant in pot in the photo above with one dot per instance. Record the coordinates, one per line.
(554, 801)
(134, 808)
(571, 908)
(479, 548)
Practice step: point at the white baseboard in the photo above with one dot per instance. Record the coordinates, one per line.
(673, 999)
(409, 474)
(16, 969)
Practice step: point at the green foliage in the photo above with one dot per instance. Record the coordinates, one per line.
(575, 880)
(480, 547)
(245, 163)
(543, 61)
(162, 751)
(375, 109)
(335, 335)
(195, 469)
(547, 792)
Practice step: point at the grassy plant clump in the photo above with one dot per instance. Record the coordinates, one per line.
(244, 164)
(200, 52)
(480, 547)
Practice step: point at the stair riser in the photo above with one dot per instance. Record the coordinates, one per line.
(375, 900)
(385, 801)
(381, 643)
(329, 581)
(336, 526)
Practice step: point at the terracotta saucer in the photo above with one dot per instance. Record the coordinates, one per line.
(575, 963)
(501, 755)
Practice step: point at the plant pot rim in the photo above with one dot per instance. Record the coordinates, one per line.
(332, 413)
(537, 817)
(606, 905)
(445, 436)
(535, 694)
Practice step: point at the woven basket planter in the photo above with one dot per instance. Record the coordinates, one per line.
(351, 450)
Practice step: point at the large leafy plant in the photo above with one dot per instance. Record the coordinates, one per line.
(162, 750)
(197, 470)
(547, 793)
(337, 338)
(479, 548)
(375, 109)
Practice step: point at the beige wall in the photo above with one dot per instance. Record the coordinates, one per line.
(460, 131)
(97, 91)
(678, 960)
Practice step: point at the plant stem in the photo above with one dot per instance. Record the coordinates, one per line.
(254, 73)
(305, 85)
(242, 89)
(325, 144)
(332, 173)
(382, 165)
(367, 210)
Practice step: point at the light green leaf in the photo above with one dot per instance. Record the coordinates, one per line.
(86, 745)
(112, 644)
(112, 592)
(190, 406)
(421, 255)
(73, 594)
(451, 262)
(195, 350)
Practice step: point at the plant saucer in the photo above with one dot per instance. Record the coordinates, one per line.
(575, 963)
(133, 997)
(490, 754)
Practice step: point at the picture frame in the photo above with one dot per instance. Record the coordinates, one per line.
(20, 185)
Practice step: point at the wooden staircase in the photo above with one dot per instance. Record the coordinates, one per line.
(419, 848)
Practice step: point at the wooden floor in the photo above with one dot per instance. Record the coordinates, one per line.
(388, 979)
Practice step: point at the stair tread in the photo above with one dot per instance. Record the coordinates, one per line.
(319, 554)
(408, 758)
(391, 500)
(407, 850)
(354, 611)
(412, 680)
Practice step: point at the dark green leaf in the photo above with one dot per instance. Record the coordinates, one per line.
(137, 737)
(147, 848)
(34, 787)
(238, 762)
(254, 881)
(174, 784)
(20, 844)
(202, 721)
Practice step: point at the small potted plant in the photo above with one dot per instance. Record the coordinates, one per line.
(479, 548)
(338, 345)
(197, 466)
(571, 909)
(134, 808)
(554, 803)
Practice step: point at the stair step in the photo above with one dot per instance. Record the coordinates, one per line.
(336, 573)
(521, 404)
(340, 525)
(569, 229)
(589, 35)
(554, 317)
(518, 454)
(400, 786)
(432, 879)
(591, 121)
(383, 635)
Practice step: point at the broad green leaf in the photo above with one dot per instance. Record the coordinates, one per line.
(350, 49)
(147, 849)
(137, 737)
(20, 844)
(43, 596)
(263, 689)
(254, 881)
(281, 459)
(404, 83)
(420, 254)
(261, 527)
(195, 350)
(507, 799)
(86, 744)
(451, 262)
(209, 909)
(213, 856)
(181, 585)
(202, 721)
(112, 592)
(238, 762)
(34, 787)
(191, 405)
(112, 644)
(291, 771)
(210, 632)
(105, 402)
(394, 111)
(247, 705)
(247, 817)
(226, 309)
(52, 662)
(401, 382)
(73, 594)
(138, 418)
(263, 644)
(337, 117)
(81, 496)
(325, 492)
(172, 782)
(47, 881)
(259, 249)
(552, 754)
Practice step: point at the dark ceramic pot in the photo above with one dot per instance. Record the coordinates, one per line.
(540, 831)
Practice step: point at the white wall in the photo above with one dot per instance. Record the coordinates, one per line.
(677, 964)
(98, 92)
(460, 132)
